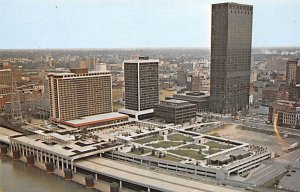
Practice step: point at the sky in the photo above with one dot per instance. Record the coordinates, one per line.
(43, 24)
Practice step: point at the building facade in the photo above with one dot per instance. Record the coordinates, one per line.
(181, 77)
(231, 39)
(75, 95)
(285, 113)
(141, 84)
(289, 118)
(194, 83)
(293, 71)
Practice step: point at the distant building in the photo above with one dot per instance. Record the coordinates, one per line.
(201, 100)
(294, 92)
(231, 39)
(141, 86)
(5, 76)
(175, 111)
(194, 83)
(181, 77)
(285, 113)
(293, 72)
(289, 118)
(274, 92)
(253, 75)
(5, 96)
(5, 88)
(79, 94)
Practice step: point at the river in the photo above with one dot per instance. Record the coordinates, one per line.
(16, 176)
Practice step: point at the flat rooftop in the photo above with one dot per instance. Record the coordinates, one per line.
(6, 133)
(93, 119)
(69, 146)
(70, 74)
(220, 158)
(175, 103)
(238, 152)
(142, 61)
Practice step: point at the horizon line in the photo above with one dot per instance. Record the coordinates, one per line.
(134, 48)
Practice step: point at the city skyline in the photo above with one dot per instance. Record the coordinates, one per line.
(136, 24)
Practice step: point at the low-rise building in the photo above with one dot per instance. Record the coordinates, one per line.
(285, 113)
(289, 118)
(200, 99)
(96, 120)
(175, 111)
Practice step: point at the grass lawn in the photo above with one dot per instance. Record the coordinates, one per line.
(165, 144)
(193, 146)
(188, 153)
(212, 151)
(213, 144)
(168, 157)
(179, 137)
(149, 139)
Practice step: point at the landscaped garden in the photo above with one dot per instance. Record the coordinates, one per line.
(182, 144)
(193, 146)
(188, 153)
(179, 137)
(216, 145)
(149, 139)
(165, 144)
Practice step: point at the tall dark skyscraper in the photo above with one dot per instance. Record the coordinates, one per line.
(231, 39)
(141, 86)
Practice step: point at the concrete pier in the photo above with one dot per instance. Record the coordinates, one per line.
(49, 167)
(16, 154)
(30, 160)
(89, 181)
(3, 149)
(68, 174)
(114, 187)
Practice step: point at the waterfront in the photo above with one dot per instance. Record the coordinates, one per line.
(16, 176)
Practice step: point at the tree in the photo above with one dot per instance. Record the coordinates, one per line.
(244, 112)
(153, 152)
(200, 151)
(234, 113)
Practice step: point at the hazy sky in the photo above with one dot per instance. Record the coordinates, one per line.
(135, 23)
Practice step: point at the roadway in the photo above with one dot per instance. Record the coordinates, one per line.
(275, 167)
(147, 178)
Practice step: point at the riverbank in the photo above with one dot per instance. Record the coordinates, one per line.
(16, 176)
